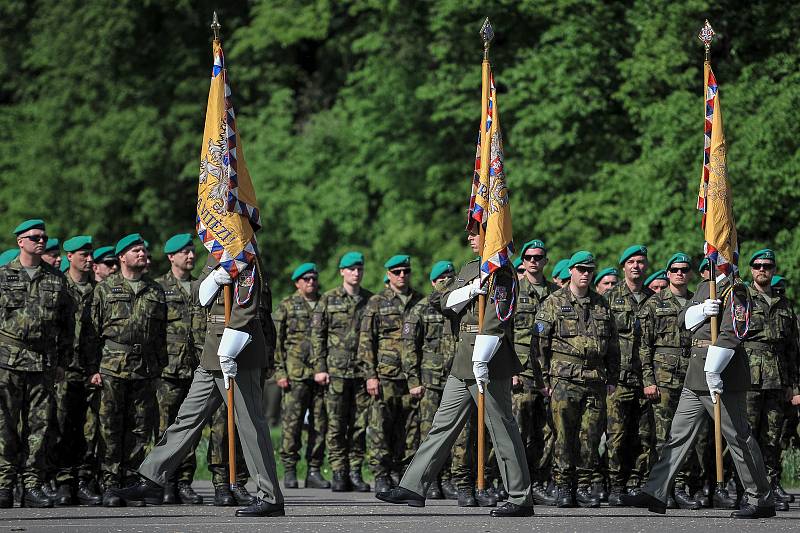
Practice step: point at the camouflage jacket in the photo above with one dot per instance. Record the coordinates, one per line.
(428, 346)
(36, 324)
(771, 342)
(628, 315)
(184, 319)
(380, 343)
(293, 348)
(334, 332)
(666, 343)
(528, 301)
(576, 338)
(128, 329)
(78, 367)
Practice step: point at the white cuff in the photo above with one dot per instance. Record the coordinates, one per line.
(485, 348)
(208, 290)
(459, 296)
(694, 316)
(232, 343)
(717, 359)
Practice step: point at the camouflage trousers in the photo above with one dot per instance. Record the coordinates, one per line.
(76, 448)
(790, 438)
(217, 453)
(663, 412)
(394, 428)
(170, 394)
(630, 437)
(578, 410)
(126, 407)
(302, 396)
(26, 407)
(428, 405)
(765, 412)
(347, 405)
(531, 410)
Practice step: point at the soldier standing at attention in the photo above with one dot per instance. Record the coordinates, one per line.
(128, 340)
(606, 280)
(36, 335)
(629, 427)
(771, 347)
(176, 377)
(52, 253)
(657, 281)
(104, 263)
(295, 375)
(428, 344)
(557, 273)
(8, 256)
(334, 339)
(394, 416)
(518, 268)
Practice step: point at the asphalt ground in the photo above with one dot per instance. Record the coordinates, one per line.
(322, 511)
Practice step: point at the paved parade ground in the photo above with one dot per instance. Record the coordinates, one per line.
(324, 511)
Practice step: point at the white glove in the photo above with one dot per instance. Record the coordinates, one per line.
(475, 288)
(229, 367)
(714, 381)
(711, 307)
(221, 276)
(231, 345)
(209, 286)
(481, 371)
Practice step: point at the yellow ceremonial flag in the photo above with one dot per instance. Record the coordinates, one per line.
(227, 211)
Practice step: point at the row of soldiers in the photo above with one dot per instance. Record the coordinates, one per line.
(605, 356)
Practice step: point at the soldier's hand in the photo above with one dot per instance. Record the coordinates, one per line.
(283, 383)
(711, 307)
(652, 392)
(516, 383)
(373, 385)
(610, 389)
(96, 380)
(322, 378)
(417, 392)
(796, 400)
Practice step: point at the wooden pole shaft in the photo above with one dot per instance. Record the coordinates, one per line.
(228, 293)
(718, 404)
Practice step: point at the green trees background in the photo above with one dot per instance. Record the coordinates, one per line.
(358, 120)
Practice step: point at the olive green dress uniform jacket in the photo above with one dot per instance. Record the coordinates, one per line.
(182, 315)
(36, 320)
(334, 332)
(666, 343)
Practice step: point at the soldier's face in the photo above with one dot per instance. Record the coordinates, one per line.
(762, 272)
(658, 285)
(307, 284)
(679, 274)
(534, 260)
(104, 269)
(474, 242)
(634, 267)
(81, 260)
(581, 276)
(135, 257)
(352, 275)
(52, 258)
(399, 278)
(606, 284)
(32, 241)
(183, 259)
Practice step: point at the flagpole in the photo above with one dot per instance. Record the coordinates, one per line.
(706, 36)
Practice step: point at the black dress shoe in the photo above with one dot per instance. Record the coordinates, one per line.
(565, 499)
(434, 492)
(685, 501)
(170, 494)
(87, 495)
(383, 484)
(644, 500)
(6, 498)
(64, 495)
(261, 508)
(401, 495)
(752, 511)
(290, 480)
(541, 497)
(722, 500)
(509, 509)
(615, 498)
(359, 485)
(142, 492)
(485, 498)
(223, 497)
(314, 480)
(112, 500)
(341, 482)
(585, 498)
(242, 495)
(466, 498)
(449, 491)
(186, 494)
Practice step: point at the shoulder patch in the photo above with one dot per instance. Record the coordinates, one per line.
(539, 327)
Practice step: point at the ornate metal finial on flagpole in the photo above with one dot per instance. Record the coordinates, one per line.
(487, 34)
(706, 35)
(216, 26)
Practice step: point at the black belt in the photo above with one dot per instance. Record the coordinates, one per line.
(127, 348)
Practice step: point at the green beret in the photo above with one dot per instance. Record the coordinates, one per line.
(34, 223)
(658, 274)
(557, 269)
(777, 280)
(126, 242)
(80, 242)
(610, 271)
(146, 244)
(385, 279)
(351, 259)
(303, 269)
(102, 253)
(8, 256)
(442, 267)
(704, 265)
(178, 242)
(630, 251)
(535, 243)
(581, 257)
(397, 261)
(64, 263)
(679, 257)
(52, 244)
(766, 253)
(517, 262)
(565, 274)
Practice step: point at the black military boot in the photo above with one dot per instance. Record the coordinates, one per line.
(540, 495)
(186, 494)
(704, 500)
(6, 498)
(242, 495)
(585, 498)
(383, 484)
(685, 501)
(722, 500)
(434, 492)
(780, 505)
(781, 494)
(87, 495)
(359, 485)
(170, 494)
(290, 479)
(395, 477)
(565, 498)
(64, 495)
(449, 491)
(48, 491)
(671, 503)
(615, 497)
(110, 499)
(35, 497)
(341, 482)
(599, 491)
(314, 480)
(223, 497)
(485, 498)
(466, 497)
(502, 493)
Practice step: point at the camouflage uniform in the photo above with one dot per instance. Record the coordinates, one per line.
(576, 342)
(128, 338)
(772, 351)
(292, 361)
(334, 338)
(394, 422)
(183, 318)
(630, 437)
(36, 335)
(531, 408)
(666, 350)
(75, 449)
